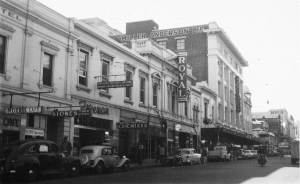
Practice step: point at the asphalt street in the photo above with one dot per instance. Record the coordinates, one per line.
(277, 170)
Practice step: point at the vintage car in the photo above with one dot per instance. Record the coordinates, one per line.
(102, 158)
(188, 156)
(247, 154)
(30, 158)
(219, 153)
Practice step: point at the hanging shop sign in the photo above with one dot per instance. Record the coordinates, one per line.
(71, 113)
(182, 59)
(35, 132)
(114, 84)
(23, 110)
(135, 125)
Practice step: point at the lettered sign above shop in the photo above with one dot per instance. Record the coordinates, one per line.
(71, 113)
(23, 110)
(182, 61)
(34, 132)
(135, 125)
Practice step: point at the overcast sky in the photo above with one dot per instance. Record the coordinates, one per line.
(266, 32)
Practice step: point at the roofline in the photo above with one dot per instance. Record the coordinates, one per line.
(229, 43)
(87, 28)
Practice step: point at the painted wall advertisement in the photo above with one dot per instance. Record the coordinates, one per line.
(182, 90)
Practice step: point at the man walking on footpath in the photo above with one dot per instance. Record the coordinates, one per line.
(66, 146)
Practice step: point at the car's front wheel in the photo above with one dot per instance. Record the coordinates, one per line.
(30, 173)
(74, 169)
(126, 166)
(99, 168)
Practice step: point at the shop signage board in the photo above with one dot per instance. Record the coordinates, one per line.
(23, 110)
(71, 113)
(182, 90)
(163, 33)
(34, 132)
(97, 109)
(114, 84)
(133, 125)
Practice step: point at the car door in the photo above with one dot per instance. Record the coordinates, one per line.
(43, 156)
(107, 157)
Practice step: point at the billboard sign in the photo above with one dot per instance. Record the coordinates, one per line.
(182, 89)
(114, 84)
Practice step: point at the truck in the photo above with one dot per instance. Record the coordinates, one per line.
(219, 153)
(295, 151)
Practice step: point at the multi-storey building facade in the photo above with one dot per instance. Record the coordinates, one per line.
(35, 57)
(213, 58)
(96, 90)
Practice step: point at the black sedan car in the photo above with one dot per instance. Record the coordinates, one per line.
(28, 159)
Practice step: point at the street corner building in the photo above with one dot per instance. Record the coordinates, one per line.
(148, 88)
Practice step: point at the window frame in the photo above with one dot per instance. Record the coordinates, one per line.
(180, 44)
(4, 50)
(155, 87)
(51, 60)
(81, 50)
(128, 89)
(142, 90)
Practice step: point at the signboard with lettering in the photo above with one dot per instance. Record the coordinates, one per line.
(182, 61)
(23, 110)
(34, 132)
(71, 113)
(97, 109)
(163, 33)
(114, 84)
(135, 125)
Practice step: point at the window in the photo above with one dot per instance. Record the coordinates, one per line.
(106, 60)
(220, 89)
(128, 89)
(43, 148)
(173, 101)
(186, 109)
(220, 109)
(205, 109)
(2, 53)
(195, 113)
(142, 89)
(220, 68)
(30, 120)
(47, 69)
(155, 94)
(83, 67)
(180, 44)
(163, 44)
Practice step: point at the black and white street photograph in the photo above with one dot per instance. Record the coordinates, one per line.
(149, 91)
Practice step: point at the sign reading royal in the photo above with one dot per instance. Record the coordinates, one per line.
(23, 110)
(114, 84)
(182, 59)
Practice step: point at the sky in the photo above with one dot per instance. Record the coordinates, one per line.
(266, 32)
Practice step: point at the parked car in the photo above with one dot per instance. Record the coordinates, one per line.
(101, 158)
(219, 153)
(295, 152)
(247, 154)
(30, 158)
(188, 156)
(254, 154)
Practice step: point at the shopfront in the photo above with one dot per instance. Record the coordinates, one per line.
(9, 128)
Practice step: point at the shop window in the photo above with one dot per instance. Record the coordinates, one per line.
(205, 109)
(180, 44)
(154, 91)
(47, 69)
(128, 90)
(30, 120)
(2, 53)
(83, 67)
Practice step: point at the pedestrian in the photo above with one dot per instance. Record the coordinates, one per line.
(66, 146)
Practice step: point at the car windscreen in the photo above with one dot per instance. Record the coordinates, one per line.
(86, 151)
